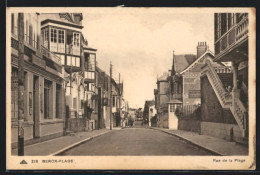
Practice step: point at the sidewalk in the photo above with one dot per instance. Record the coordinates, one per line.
(54, 146)
(212, 144)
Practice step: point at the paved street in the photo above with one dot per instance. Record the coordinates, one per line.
(136, 141)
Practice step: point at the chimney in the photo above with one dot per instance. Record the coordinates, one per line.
(201, 48)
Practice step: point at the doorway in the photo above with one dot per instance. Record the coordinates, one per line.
(36, 108)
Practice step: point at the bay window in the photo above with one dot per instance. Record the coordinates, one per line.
(57, 40)
(73, 61)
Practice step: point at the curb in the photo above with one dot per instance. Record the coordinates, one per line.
(77, 143)
(191, 142)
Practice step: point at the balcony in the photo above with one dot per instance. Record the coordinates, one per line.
(33, 51)
(30, 43)
(89, 77)
(235, 37)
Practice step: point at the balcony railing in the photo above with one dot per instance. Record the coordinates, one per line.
(233, 36)
(47, 53)
(32, 44)
(28, 40)
(15, 32)
(226, 69)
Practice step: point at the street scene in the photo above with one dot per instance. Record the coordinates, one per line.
(107, 84)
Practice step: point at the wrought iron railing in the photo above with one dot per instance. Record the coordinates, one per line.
(226, 69)
(47, 53)
(233, 36)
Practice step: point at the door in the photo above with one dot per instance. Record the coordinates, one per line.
(36, 107)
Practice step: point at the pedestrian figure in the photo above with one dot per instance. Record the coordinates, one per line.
(229, 89)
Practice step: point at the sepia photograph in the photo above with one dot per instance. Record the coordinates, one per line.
(130, 88)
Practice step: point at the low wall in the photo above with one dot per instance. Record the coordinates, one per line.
(229, 132)
(28, 132)
(77, 124)
(189, 125)
(51, 127)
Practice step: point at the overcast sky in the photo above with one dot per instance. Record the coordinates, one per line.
(140, 45)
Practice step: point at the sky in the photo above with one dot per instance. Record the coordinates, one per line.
(140, 43)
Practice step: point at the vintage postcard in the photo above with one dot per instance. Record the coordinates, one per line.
(131, 88)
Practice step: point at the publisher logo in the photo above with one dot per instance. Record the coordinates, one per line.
(23, 162)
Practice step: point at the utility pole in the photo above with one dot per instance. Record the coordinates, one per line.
(120, 101)
(111, 100)
(20, 84)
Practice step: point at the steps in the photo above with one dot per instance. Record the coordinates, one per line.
(219, 76)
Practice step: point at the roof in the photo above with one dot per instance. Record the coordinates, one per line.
(182, 61)
(149, 102)
(163, 77)
(57, 18)
(196, 60)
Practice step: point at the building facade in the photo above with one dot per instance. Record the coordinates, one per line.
(230, 118)
(149, 111)
(44, 84)
(162, 97)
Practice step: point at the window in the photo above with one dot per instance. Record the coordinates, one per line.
(82, 104)
(231, 20)
(58, 100)
(90, 75)
(76, 39)
(46, 35)
(53, 35)
(14, 93)
(171, 107)
(223, 23)
(218, 25)
(91, 62)
(75, 103)
(68, 60)
(77, 61)
(12, 23)
(61, 36)
(114, 101)
(47, 95)
(73, 61)
(26, 31)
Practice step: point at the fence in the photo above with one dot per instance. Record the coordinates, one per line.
(80, 124)
(190, 111)
(189, 118)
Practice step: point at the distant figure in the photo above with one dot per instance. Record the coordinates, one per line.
(226, 87)
(229, 89)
